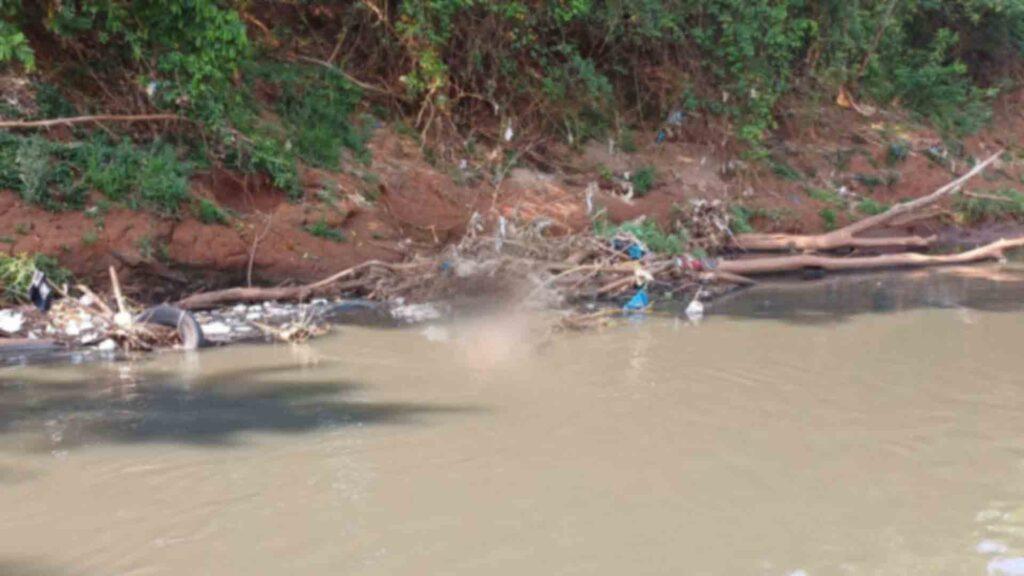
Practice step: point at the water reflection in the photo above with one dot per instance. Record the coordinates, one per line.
(837, 298)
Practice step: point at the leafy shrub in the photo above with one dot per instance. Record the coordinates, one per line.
(822, 195)
(642, 180)
(897, 151)
(16, 274)
(209, 212)
(41, 174)
(647, 231)
(829, 219)
(784, 170)
(316, 104)
(994, 205)
(143, 177)
(871, 207)
(321, 229)
(739, 219)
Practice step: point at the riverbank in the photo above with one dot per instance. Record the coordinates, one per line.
(824, 171)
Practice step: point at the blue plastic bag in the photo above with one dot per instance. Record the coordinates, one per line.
(640, 301)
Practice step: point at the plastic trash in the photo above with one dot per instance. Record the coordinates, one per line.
(639, 302)
(11, 321)
(633, 248)
(184, 322)
(40, 292)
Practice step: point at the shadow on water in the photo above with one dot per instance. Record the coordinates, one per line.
(207, 410)
(841, 297)
(30, 568)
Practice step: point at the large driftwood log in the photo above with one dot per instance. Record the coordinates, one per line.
(215, 298)
(846, 237)
(781, 264)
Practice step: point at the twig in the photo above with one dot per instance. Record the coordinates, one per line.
(117, 291)
(252, 251)
(14, 124)
(347, 76)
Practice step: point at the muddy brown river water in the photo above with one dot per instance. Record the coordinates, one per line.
(869, 425)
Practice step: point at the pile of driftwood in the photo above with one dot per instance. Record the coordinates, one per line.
(85, 319)
(525, 262)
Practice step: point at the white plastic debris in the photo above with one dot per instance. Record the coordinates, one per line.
(11, 321)
(416, 312)
(107, 345)
(695, 309)
(123, 319)
(216, 328)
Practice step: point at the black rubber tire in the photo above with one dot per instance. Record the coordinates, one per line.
(184, 322)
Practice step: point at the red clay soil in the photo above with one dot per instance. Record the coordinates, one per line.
(401, 204)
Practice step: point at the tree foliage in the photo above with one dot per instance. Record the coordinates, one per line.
(572, 67)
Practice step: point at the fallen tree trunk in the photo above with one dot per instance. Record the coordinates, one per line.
(780, 264)
(846, 237)
(204, 300)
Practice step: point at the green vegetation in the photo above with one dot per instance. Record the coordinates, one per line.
(897, 151)
(992, 205)
(646, 231)
(871, 207)
(822, 195)
(16, 274)
(321, 229)
(566, 66)
(261, 86)
(209, 212)
(784, 170)
(642, 180)
(829, 219)
(58, 176)
(739, 219)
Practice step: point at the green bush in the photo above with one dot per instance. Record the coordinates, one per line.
(871, 207)
(148, 177)
(642, 180)
(739, 219)
(209, 212)
(16, 274)
(579, 68)
(321, 229)
(829, 219)
(993, 205)
(648, 232)
(59, 176)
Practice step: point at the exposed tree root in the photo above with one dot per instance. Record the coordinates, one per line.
(846, 237)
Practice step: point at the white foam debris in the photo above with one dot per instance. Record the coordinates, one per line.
(436, 334)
